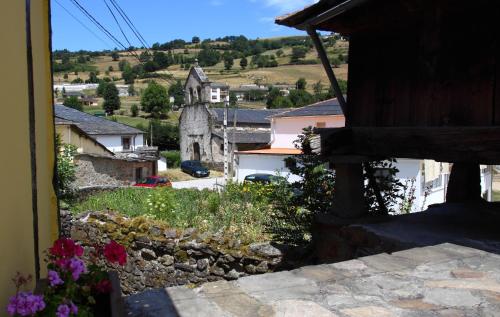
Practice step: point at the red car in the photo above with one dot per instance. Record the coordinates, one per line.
(154, 181)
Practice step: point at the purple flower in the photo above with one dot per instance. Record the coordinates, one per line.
(54, 278)
(77, 267)
(63, 310)
(73, 308)
(25, 304)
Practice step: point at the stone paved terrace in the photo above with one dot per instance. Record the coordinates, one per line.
(442, 280)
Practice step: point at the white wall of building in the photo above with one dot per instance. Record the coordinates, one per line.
(248, 164)
(162, 165)
(114, 142)
(215, 95)
(284, 131)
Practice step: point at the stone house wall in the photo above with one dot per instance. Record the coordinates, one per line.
(101, 171)
(159, 256)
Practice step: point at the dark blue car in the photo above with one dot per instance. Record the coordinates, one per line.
(195, 169)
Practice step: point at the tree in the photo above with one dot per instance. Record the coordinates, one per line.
(110, 69)
(144, 57)
(300, 98)
(233, 100)
(195, 40)
(115, 56)
(100, 89)
(93, 78)
(155, 100)
(65, 76)
(111, 99)
(73, 102)
(301, 84)
(208, 57)
(280, 53)
(134, 110)
(81, 59)
(318, 88)
(177, 91)
(129, 75)
(123, 64)
(243, 63)
(228, 62)
(298, 52)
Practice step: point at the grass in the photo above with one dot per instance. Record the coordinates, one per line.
(176, 175)
(496, 195)
(237, 212)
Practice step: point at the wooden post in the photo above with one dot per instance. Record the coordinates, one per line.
(349, 199)
(464, 184)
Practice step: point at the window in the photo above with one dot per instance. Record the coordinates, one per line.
(222, 147)
(126, 143)
(214, 97)
(320, 125)
(214, 90)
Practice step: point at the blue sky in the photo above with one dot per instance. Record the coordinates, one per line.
(164, 20)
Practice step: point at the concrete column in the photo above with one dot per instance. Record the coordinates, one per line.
(464, 184)
(349, 199)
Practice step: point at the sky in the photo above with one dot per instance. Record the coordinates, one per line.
(165, 20)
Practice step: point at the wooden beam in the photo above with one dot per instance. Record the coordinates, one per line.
(444, 144)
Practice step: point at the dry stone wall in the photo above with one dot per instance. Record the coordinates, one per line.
(159, 256)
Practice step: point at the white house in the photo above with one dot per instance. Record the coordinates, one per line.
(426, 179)
(218, 92)
(115, 136)
(285, 128)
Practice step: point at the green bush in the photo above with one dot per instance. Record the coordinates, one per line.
(173, 158)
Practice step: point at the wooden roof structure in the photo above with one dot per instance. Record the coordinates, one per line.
(422, 77)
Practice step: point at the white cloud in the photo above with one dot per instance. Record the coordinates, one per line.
(286, 5)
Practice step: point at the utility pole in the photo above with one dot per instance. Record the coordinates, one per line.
(226, 142)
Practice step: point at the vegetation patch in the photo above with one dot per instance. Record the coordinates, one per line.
(240, 211)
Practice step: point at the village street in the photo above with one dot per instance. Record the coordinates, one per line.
(203, 183)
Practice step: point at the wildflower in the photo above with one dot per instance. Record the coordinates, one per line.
(54, 278)
(25, 304)
(76, 267)
(73, 308)
(115, 253)
(66, 248)
(63, 311)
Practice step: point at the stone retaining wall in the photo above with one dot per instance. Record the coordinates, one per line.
(159, 256)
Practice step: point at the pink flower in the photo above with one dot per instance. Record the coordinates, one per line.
(66, 248)
(115, 253)
(54, 278)
(25, 304)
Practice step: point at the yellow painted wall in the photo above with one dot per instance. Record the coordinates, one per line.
(85, 144)
(16, 208)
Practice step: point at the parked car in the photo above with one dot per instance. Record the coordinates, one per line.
(195, 168)
(154, 181)
(263, 178)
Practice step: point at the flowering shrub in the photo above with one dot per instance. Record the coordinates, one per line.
(73, 287)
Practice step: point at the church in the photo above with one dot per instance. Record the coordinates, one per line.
(201, 124)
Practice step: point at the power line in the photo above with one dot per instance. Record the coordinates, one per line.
(117, 23)
(130, 24)
(83, 24)
(102, 28)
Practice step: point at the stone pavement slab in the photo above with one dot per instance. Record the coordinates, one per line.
(436, 281)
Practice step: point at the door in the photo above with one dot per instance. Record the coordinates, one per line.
(138, 175)
(196, 152)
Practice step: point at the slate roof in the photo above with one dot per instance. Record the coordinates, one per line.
(93, 125)
(219, 85)
(245, 137)
(328, 107)
(246, 116)
(201, 74)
